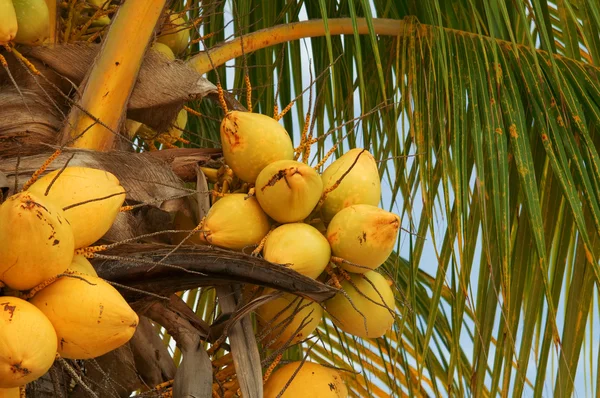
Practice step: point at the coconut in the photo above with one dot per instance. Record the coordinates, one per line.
(33, 20)
(76, 185)
(171, 135)
(364, 235)
(377, 314)
(302, 247)
(27, 343)
(252, 141)
(360, 186)
(8, 22)
(288, 190)
(82, 265)
(182, 221)
(36, 241)
(164, 50)
(235, 221)
(287, 320)
(90, 316)
(10, 392)
(175, 34)
(308, 379)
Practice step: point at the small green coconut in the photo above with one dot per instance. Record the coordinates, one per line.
(235, 221)
(288, 190)
(364, 235)
(287, 320)
(360, 186)
(251, 141)
(374, 313)
(302, 247)
(164, 50)
(175, 33)
(33, 21)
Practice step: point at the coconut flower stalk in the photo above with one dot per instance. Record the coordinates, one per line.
(113, 75)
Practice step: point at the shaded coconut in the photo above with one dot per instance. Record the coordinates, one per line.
(90, 316)
(364, 235)
(235, 221)
(288, 190)
(175, 33)
(252, 141)
(377, 314)
(91, 199)
(301, 247)
(33, 21)
(36, 241)
(360, 186)
(27, 343)
(308, 379)
(164, 50)
(287, 320)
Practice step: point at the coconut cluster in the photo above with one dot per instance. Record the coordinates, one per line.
(306, 221)
(59, 304)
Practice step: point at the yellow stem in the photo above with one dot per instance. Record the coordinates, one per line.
(289, 32)
(113, 76)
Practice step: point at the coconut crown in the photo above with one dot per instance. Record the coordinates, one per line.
(367, 316)
(364, 235)
(360, 185)
(251, 141)
(308, 379)
(92, 199)
(30, 221)
(27, 343)
(90, 316)
(288, 190)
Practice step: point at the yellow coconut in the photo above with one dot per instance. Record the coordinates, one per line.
(301, 247)
(288, 190)
(308, 379)
(372, 312)
(175, 33)
(33, 20)
(27, 343)
(76, 185)
(252, 141)
(164, 50)
(8, 22)
(90, 316)
(10, 392)
(287, 320)
(82, 265)
(36, 241)
(360, 186)
(235, 221)
(364, 235)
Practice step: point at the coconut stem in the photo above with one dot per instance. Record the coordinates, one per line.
(289, 32)
(113, 76)
(272, 367)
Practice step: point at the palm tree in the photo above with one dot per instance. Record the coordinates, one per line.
(483, 116)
